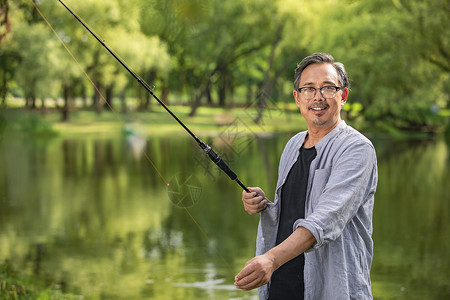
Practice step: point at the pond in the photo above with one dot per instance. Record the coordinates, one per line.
(130, 217)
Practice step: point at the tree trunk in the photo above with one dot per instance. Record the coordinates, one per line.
(98, 86)
(208, 96)
(123, 98)
(84, 96)
(225, 87)
(65, 108)
(150, 78)
(267, 86)
(249, 94)
(198, 99)
(4, 19)
(165, 94)
(4, 88)
(109, 95)
(222, 91)
(196, 103)
(33, 102)
(96, 96)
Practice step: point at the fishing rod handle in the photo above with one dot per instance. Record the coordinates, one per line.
(221, 164)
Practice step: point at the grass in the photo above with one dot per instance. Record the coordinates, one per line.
(157, 122)
(277, 117)
(208, 121)
(14, 286)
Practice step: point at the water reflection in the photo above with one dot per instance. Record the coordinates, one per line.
(411, 227)
(94, 216)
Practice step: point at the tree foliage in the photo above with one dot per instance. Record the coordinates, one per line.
(234, 52)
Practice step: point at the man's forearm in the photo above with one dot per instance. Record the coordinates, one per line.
(258, 270)
(298, 242)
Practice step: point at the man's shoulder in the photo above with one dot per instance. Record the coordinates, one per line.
(350, 135)
(297, 139)
(349, 142)
(293, 145)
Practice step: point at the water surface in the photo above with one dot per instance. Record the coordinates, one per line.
(96, 217)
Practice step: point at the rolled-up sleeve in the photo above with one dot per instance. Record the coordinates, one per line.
(338, 191)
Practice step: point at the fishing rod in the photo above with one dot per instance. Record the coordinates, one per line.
(215, 158)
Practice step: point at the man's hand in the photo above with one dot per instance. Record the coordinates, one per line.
(255, 201)
(256, 272)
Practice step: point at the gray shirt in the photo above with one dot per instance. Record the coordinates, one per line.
(339, 205)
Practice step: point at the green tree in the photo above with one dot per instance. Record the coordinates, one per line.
(396, 52)
(389, 48)
(31, 43)
(7, 58)
(119, 27)
(5, 25)
(209, 40)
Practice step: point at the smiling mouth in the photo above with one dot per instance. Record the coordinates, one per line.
(318, 108)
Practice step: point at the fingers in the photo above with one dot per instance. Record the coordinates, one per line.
(247, 279)
(255, 201)
(255, 191)
(256, 273)
(254, 205)
(249, 282)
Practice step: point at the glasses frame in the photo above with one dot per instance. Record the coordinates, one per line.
(321, 91)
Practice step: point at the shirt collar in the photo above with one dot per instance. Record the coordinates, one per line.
(331, 135)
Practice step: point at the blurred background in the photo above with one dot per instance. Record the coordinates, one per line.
(104, 196)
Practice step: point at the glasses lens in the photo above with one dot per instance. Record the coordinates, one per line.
(326, 91)
(307, 93)
(329, 91)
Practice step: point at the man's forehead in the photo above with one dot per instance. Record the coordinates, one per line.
(319, 73)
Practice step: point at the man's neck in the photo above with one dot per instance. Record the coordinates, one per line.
(315, 134)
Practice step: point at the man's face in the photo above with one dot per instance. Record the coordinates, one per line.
(320, 113)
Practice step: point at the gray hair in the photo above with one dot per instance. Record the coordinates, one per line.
(322, 58)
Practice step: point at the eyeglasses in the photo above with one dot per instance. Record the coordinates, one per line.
(308, 93)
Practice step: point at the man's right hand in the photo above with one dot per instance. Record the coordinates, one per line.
(255, 201)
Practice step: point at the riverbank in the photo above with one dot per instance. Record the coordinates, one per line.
(157, 122)
(209, 121)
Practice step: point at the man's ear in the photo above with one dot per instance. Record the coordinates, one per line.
(344, 96)
(296, 97)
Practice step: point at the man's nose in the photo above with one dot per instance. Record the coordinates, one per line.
(318, 96)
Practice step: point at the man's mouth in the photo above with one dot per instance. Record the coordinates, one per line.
(318, 107)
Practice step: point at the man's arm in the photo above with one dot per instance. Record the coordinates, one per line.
(340, 193)
(258, 270)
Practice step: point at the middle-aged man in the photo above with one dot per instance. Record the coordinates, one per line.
(315, 240)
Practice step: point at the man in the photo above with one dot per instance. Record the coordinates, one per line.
(315, 240)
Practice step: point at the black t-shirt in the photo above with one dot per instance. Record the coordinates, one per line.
(287, 281)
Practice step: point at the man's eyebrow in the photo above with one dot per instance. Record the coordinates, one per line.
(323, 82)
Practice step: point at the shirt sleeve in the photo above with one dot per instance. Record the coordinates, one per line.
(338, 192)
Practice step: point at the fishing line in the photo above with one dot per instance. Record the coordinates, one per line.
(95, 87)
(204, 234)
(215, 158)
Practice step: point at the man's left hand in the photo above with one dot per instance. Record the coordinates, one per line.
(256, 273)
